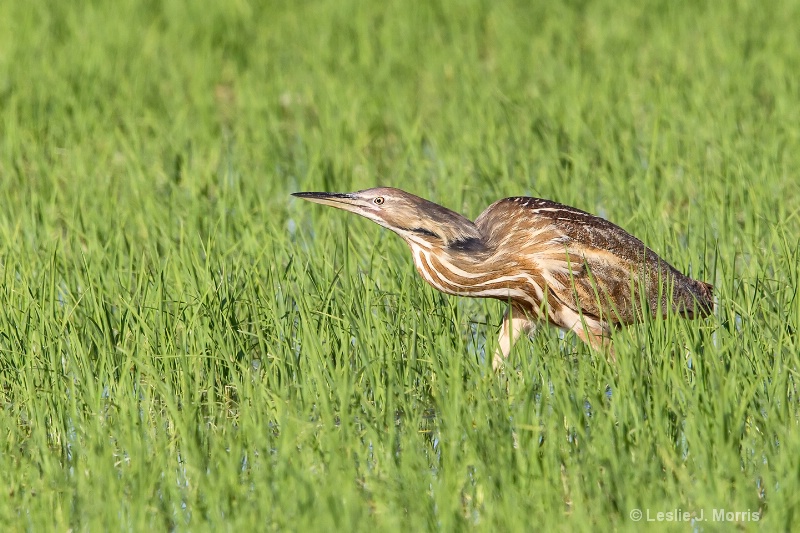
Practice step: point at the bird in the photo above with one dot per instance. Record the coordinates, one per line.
(551, 263)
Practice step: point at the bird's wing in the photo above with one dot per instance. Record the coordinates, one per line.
(588, 264)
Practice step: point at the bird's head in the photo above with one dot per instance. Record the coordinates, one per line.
(413, 218)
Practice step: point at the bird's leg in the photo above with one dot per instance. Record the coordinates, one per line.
(515, 322)
(595, 337)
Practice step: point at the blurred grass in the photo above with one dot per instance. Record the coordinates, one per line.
(183, 346)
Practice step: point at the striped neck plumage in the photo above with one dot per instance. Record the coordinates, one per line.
(464, 267)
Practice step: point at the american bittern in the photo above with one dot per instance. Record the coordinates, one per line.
(551, 262)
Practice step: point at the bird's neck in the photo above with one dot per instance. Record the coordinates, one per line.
(459, 268)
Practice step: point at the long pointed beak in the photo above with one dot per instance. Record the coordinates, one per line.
(344, 201)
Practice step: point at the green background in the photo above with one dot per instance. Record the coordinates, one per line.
(184, 346)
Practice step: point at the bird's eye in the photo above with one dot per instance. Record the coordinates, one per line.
(378, 201)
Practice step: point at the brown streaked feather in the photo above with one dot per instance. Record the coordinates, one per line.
(600, 269)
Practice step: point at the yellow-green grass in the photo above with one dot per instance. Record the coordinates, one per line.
(184, 346)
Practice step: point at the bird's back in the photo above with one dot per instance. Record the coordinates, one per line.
(588, 263)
